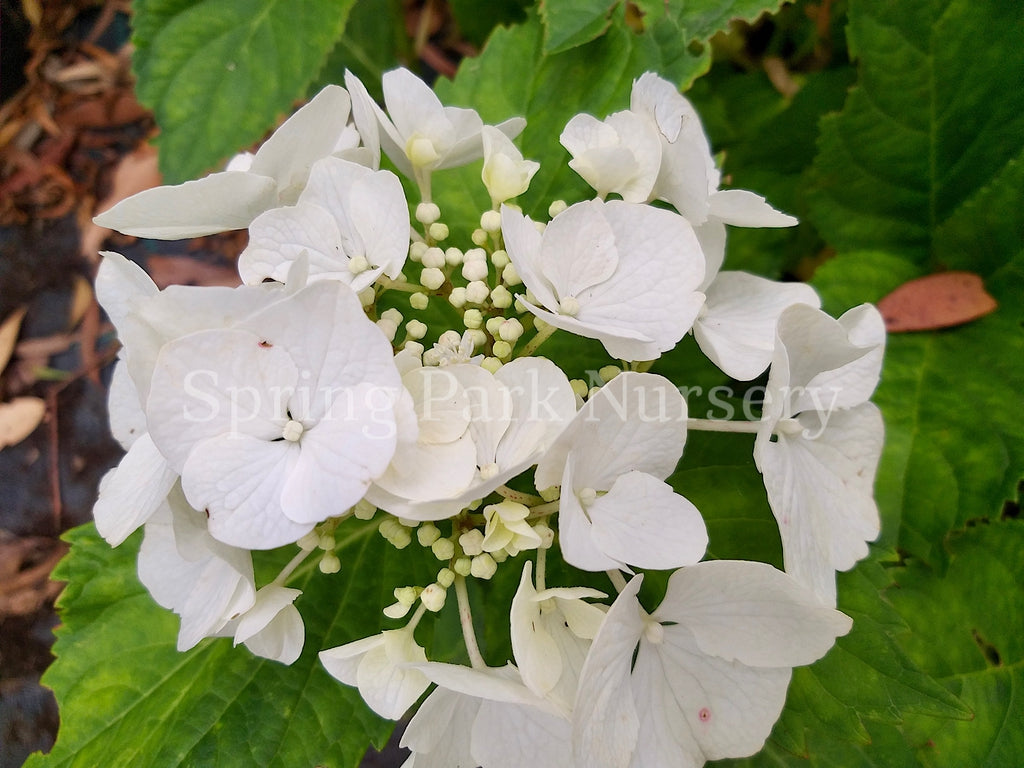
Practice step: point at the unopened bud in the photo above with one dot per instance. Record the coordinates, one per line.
(472, 542)
(416, 250)
(438, 231)
(416, 329)
(500, 259)
(427, 213)
(479, 237)
(474, 270)
(463, 566)
(483, 566)
(490, 221)
(556, 208)
(458, 297)
(472, 318)
(358, 264)
(443, 549)
(419, 301)
(501, 298)
(453, 257)
(432, 278)
(509, 276)
(609, 372)
(510, 330)
(433, 257)
(330, 563)
(427, 534)
(477, 292)
(446, 577)
(491, 364)
(433, 597)
(502, 350)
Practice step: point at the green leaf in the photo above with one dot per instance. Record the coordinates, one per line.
(373, 42)
(703, 18)
(571, 23)
(938, 115)
(966, 632)
(477, 19)
(128, 698)
(216, 73)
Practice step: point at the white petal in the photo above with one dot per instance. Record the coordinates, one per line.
(536, 652)
(311, 133)
(752, 613)
(514, 736)
(636, 421)
(543, 404)
(120, 285)
(745, 209)
(820, 487)
(605, 721)
(327, 335)
(340, 456)
(132, 491)
(578, 250)
(439, 732)
(282, 639)
(217, 382)
(239, 480)
(693, 707)
(280, 236)
(523, 244)
(575, 531)
(216, 203)
(342, 662)
(491, 683)
(661, 101)
(712, 236)
(686, 175)
(738, 331)
(643, 522)
(364, 115)
(127, 419)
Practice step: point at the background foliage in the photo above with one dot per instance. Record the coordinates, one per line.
(900, 144)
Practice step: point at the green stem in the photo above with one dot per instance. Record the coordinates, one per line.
(466, 619)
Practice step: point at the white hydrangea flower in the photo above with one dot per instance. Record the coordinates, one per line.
(736, 326)
(146, 319)
(418, 133)
(272, 628)
(820, 470)
(207, 583)
(551, 635)
(281, 421)
(621, 154)
(380, 666)
(489, 715)
(505, 173)
(352, 223)
(611, 461)
(705, 676)
(688, 178)
(231, 199)
(625, 274)
(472, 432)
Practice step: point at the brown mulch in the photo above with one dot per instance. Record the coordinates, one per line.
(73, 140)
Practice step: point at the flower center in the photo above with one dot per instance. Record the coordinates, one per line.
(292, 431)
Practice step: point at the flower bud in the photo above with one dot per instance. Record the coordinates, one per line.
(416, 329)
(463, 566)
(438, 231)
(500, 259)
(443, 549)
(491, 364)
(416, 250)
(509, 276)
(432, 278)
(477, 292)
(330, 563)
(453, 257)
(474, 270)
(433, 597)
(427, 213)
(427, 534)
(483, 566)
(472, 542)
(556, 208)
(433, 257)
(472, 318)
(490, 221)
(446, 577)
(479, 237)
(458, 297)
(502, 350)
(419, 301)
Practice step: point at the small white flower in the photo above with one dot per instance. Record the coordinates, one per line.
(625, 274)
(346, 215)
(418, 133)
(274, 176)
(702, 678)
(281, 421)
(380, 667)
(505, 173)
(611, 461)
(622, 154)
(820, 471)
(272, 628)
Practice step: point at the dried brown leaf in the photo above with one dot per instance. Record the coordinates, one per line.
(81, 300)
(9, 335)
(19, 418)
(936, 301)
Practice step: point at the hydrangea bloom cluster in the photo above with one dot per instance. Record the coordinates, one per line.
(279, 412)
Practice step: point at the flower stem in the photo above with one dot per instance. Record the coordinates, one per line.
(294, 563)
(617, 579)
(542, 556)
(466, 619)
(723, 425)
(542, 335)
(398, 285)
(527, 499)
(543, 510)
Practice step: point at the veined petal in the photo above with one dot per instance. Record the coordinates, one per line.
(239, 480)
(820, 487)
(606, 724)
(127, 419)
(575, 531)
(217, 382)
(280, 236)
(281, 639)
(693, 707)
(738, 330)
(216, 203)
(578, 251)
(439, 733)
(512, 736)
(340, 456)
(132, 491)
(642, 521)
(523, 243)
(305, 137)
(746, 209)
(752, 613)
(543, 404)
